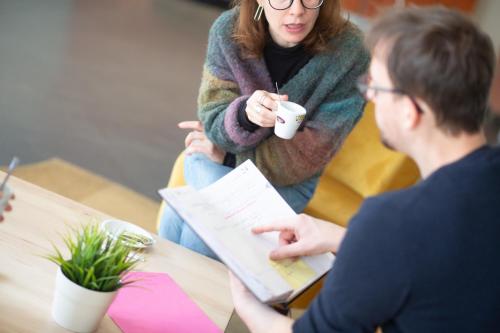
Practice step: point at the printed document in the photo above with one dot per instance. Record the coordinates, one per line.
(223, 215)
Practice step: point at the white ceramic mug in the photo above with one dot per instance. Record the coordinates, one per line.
(288, 119)
(4, 200)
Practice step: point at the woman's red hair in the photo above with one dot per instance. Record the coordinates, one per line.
(251, 35)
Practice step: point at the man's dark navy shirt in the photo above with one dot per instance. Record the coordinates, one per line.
(421, 260)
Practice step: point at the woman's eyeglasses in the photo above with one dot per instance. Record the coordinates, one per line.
(285, 4)
(369, 92)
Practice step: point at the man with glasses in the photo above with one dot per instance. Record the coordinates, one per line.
(424, 259)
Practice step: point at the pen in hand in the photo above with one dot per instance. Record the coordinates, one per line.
(12, 166)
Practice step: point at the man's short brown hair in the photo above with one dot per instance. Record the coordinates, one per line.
(440, 56)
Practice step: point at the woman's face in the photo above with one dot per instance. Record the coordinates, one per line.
(289, 27)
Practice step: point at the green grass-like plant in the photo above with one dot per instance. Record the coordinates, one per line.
(97, 262)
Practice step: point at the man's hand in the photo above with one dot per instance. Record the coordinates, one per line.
(257, 316)
(197, 142)
(303, 235)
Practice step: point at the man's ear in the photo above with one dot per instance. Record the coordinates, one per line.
(411, 117)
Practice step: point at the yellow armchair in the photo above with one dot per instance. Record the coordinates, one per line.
(363, 167)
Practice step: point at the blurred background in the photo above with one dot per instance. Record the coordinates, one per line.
(91, 90)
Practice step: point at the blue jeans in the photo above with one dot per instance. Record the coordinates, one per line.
(200, 171)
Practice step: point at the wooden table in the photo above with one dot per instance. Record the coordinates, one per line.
(27, 279)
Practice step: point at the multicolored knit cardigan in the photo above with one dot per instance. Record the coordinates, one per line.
(325, 86)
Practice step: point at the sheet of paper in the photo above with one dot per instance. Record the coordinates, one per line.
(156, 304)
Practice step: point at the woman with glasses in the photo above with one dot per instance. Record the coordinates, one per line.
(307, 51)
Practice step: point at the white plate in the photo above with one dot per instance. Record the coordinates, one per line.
(114, 228)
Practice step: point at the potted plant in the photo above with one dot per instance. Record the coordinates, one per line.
(88, 281)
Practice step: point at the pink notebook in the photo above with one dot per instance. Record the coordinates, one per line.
(156, 304)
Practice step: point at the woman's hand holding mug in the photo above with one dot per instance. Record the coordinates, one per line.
(262, 106)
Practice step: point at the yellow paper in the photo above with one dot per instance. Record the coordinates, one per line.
(295, 272)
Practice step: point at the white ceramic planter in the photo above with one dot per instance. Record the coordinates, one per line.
(76, 308)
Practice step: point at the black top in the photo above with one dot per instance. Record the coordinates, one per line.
(282, 63)
(425, 259)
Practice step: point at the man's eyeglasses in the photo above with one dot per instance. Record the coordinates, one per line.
(285, 4)
(364, 87)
